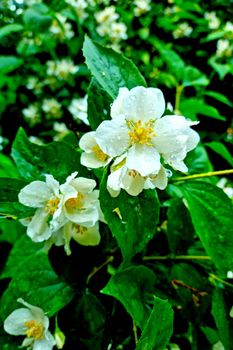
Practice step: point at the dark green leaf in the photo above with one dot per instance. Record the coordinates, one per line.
(111, 69)
(134, 288)
(191, 107)
(36, 20)
(132, 220)
(98, 104)
(220, 149)
(10, 28)
(211, 213)
(9, 63)
(158, 328)
(34, 161)
(193, 76)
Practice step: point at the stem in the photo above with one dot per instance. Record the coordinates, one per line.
(178, 257)
(96, 269)
(220, 280)
(210, 173)
(179, 91)
(135, 333)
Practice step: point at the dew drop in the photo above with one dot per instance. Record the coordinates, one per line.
(168, 172)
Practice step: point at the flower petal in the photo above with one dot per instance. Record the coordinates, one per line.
(145, 159)
(45, 344)
(117, 108)
(85, 217)
(53, 184)
(114, 182)
(84, 185)
(143, 104)
(133, 182)
(89, 236)
(112, 137)
(35, 194)
(14, 323)
(90, 160)
(38, 229)
(157, 181)
(87, 141)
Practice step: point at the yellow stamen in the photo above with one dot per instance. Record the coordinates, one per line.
(80, 229)
(35, 330)
(52, 205)
(100, 155)
(75, 203)
(133, 173)
(140, 133)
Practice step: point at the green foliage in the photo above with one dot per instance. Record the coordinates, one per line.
(132, 220)
(211, 213)
(111, 69)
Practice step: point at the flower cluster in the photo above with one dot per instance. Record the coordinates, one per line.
(63, 212)
(78, 109)
(139, 142)
(109, 27)
(141, 7)
(182, 30)
(32, 322)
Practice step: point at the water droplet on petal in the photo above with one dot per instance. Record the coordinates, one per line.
(168, 172)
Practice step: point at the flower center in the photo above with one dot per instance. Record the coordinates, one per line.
(139, 133)
(75, 203)
(80, 229)
(35, 330)
(100, 155)
(133, 173)
(52, 205)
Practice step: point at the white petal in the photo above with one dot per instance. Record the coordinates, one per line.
(44, 344)
(38, 229)
(114, 183)
(157, 181)
(117, 108)
(53, 184)
(84, 185)
(90, 160)
(193, 140)
(86, 217)
(87, 141)
(35, 194)
(14, 323)
(143, 104)
(36, 311)
(133, 183)
(144, 159)
(112, 137)
(91, 236)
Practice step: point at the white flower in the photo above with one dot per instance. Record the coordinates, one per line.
(32, 115)
(228, 29)
(118, 31)
(87, 236)
(78, 108)
(131, 181)
(142, 6)
(60, 28)
(213, 20)
(80, 7)
(63, 69)
(93, 157)
(80, 200)
(226, 187)
(61, 131)
(108, 15)
(137, 130)
(224, 48)
(32, 322)
(182, 30)
(52, 108)
(46, 198)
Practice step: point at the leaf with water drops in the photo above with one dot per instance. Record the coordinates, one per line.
(211, 212)
(55, 158)
(132, 220)
(158, 328)
(133, 287)
(111, 69)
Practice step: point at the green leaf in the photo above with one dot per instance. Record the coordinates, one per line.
(221, 69)
(98, 104)
(7, 168)
(132, 220)
(198, 161)
(219, 97)
(221, 149)
(192, 106)
(111, 69)
(222, 319)
(7, 342)
(133, 287)
(9, 29)
(11, 231)
(9, 63)
(158, 328)
(179, 227)
(55, 158)
(193, 77)
(37, 21)
(211, 213)
(35, 281)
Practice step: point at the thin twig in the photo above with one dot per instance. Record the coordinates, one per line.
(178, 257)
(96, 269)
(210, 173)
